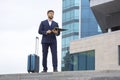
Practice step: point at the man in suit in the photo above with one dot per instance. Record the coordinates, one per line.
(46, 29)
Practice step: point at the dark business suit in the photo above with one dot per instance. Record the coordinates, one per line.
(48, 40)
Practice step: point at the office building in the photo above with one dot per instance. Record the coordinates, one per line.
(100, 52)
(78, 18)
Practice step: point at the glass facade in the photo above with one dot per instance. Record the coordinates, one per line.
(70, 20)
(84, 60)
(78, 18)
(89, 24)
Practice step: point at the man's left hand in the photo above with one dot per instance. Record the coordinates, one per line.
(55, 31)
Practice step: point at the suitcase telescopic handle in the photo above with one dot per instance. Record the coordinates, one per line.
(36, 45)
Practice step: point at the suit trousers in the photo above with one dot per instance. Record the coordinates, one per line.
(53, 47)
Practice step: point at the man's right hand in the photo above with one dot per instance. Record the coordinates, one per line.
(48, 32)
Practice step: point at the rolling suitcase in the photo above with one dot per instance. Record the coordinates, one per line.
(33, 60)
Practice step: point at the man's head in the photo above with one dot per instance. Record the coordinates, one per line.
(50, 14)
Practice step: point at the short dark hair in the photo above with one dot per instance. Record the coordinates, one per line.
(50, 11)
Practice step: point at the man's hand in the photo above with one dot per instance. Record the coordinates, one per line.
(55, 31)
(48, 32)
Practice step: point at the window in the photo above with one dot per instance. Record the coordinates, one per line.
(77, 2)
(119, 54)
(75, 62)
(70, 15)
(84, 60)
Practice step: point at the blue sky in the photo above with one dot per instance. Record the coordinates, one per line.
(19, 23)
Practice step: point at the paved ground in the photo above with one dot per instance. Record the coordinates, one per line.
(69, 75)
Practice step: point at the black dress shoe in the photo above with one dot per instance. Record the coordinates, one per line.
(55, 70)
(43, 71)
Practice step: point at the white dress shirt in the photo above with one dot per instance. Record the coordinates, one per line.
(50, 22)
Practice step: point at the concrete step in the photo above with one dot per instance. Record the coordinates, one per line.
(68, 75)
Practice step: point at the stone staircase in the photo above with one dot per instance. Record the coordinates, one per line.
(67, 75)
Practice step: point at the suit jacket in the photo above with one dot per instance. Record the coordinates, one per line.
(44, 26)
